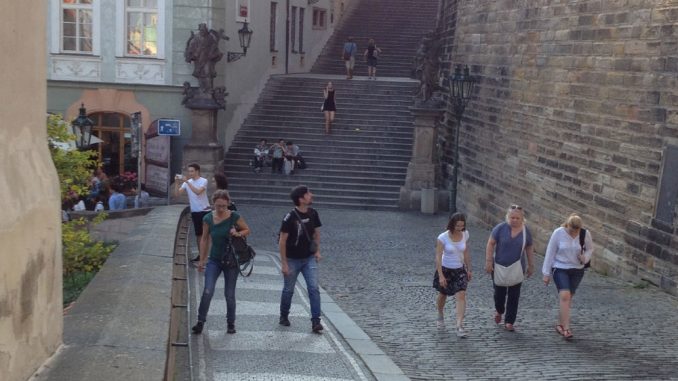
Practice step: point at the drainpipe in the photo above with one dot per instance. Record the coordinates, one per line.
(287, 36)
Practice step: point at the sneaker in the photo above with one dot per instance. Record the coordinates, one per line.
(231, 328)
(197, 329)
(440, 322)
(284, 321)
(461, 332)
(316, 327)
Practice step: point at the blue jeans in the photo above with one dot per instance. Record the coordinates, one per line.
(567, 279)
(309, 269)
(212, 272)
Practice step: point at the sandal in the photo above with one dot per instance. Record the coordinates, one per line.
(560, 329)
(509, 327)
(567, 335)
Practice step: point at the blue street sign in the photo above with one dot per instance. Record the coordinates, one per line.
(170, 127)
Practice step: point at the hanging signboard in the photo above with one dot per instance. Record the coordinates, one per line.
(156, 161)
(242, 11)
(170, 127)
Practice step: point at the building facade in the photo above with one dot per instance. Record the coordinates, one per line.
(118, 57)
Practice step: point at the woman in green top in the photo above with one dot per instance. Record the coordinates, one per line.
(218, 226)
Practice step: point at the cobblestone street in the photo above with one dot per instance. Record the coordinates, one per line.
(378, 267)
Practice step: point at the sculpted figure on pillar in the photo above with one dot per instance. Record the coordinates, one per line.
(202, 49)
(426, 66)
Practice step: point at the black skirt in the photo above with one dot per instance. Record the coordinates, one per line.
(457, 280)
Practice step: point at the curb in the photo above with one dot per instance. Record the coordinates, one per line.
(377, 362)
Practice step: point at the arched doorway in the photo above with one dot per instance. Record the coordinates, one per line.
(115, 151)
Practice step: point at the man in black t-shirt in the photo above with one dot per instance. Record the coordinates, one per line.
(299, 252)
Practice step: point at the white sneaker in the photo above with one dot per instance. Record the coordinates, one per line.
(461, 332)
(440, 322)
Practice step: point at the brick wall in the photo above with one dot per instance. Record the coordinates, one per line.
(575, 103)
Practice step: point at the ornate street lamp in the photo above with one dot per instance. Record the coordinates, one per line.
(245, 37)
(82, 129)
(461, 89)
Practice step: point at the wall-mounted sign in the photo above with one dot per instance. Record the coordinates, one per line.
(156, 155)
(242, 11)
(171, 127)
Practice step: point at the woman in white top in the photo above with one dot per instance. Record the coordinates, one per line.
(453, 269)
(565, 259)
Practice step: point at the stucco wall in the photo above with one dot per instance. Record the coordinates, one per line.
(31, 321)
(576, 103)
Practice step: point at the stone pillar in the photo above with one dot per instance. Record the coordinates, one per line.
(421, 170)
(204, 148)
(31, 311)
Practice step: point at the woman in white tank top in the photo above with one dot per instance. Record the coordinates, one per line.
(453, 269)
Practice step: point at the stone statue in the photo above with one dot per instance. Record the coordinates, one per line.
(202, 50)
(426, 66)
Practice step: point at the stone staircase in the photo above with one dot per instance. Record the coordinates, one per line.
(362, 164)
(396, 26)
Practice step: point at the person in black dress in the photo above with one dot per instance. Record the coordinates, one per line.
(329, 107)
(371, 54)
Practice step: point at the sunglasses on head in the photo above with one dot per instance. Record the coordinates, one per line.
(518, 207)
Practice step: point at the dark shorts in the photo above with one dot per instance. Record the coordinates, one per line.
(197, 221)
(372, 61)
(567, 279)
(457, 280)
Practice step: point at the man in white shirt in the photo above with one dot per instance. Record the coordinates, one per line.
(196, 188)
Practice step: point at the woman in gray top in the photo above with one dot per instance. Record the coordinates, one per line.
(505, 247)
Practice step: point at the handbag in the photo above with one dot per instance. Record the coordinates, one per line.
(244, 255)
(506, 276)
(238, 254)
(582, 243)
(312, 246)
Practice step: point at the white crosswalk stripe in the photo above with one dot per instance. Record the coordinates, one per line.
(268, 341)
(243, 307)
(272, 377)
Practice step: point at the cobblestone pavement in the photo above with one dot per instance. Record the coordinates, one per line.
(378, 266)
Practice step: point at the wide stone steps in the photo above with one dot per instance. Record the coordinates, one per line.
(397, 26)
(362, 164)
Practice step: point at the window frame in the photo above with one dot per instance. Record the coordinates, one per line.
(319, 21)
(301, 17)
(121, 31)
(56, 27)
(273, 17)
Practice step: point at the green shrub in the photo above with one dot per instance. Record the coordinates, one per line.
(74, 167)
(81, 254)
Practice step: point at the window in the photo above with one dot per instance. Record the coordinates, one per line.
(77, 26)
(301, 30)
(319, 18)
(293, 29)
(141, 22)
(274, 15)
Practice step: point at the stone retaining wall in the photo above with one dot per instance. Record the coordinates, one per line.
(575, 109)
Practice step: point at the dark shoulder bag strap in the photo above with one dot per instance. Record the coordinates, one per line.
(582, 243)
(303, 226)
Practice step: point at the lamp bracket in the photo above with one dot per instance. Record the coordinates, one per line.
(234, 56)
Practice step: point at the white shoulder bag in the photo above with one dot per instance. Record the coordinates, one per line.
(506, 276)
